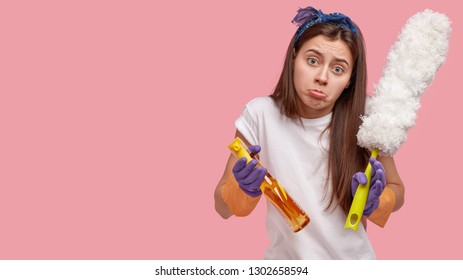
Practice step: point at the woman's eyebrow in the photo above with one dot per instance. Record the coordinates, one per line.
(313, 50)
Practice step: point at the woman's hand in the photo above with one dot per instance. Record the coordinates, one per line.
(378, 182)
(248, 176)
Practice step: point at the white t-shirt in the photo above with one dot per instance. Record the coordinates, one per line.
(297, 157)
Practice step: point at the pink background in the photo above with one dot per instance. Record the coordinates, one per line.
(115, 116)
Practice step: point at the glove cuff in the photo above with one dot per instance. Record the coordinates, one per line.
(238, 202)
(384, 210)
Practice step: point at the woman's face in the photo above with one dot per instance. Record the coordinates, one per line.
(322, 70)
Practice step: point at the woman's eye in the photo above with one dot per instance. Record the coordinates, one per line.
(338, 70)
(312, 61)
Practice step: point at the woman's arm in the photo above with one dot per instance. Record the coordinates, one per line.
(229, 198)
(393, 181)
(392, 197)
(220, 205)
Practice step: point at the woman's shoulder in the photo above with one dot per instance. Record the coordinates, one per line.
(262, 103)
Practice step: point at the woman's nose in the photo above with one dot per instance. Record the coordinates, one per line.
(322, 76)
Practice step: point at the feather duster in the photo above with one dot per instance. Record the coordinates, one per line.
(412, 62)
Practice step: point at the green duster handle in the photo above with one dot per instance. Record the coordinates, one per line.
(360, 198)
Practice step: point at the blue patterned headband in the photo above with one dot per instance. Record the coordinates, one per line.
(309, 16)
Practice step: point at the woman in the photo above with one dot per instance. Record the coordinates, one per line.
(305, 134)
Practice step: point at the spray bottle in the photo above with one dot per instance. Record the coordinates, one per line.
(275, 193)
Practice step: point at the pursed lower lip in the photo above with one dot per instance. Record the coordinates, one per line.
(317, 94)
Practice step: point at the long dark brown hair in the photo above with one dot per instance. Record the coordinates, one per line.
(345, 157)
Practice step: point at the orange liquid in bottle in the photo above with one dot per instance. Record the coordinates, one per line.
(294, 215)
(275, 193)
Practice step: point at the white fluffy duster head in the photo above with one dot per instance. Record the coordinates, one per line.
(412, 62)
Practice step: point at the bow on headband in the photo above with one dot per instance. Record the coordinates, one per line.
(309, 16)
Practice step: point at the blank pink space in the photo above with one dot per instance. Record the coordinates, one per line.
(115, 116)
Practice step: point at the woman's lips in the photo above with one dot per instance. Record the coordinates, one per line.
(317, 94)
